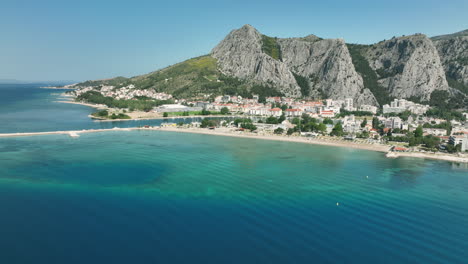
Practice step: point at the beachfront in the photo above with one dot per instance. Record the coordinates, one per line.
(229, 132)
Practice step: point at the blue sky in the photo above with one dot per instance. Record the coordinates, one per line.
(82, 40)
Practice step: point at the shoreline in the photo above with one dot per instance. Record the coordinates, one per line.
(137, 113)
(85, 104)
(159, 118)
(228, 133)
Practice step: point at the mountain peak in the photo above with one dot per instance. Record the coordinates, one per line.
(248, 27)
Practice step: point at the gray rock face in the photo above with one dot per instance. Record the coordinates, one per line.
(408, 66)
(240, 54)
(328, 66)
(453, 51)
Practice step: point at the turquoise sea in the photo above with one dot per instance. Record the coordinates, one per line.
(26, 108)
(161, 197)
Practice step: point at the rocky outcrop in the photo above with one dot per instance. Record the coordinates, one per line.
(328, 66)
(240, 55)
(453, 51)
(407, 66)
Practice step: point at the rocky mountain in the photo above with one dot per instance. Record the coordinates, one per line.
(247, 62)
(240, 55)
(453, 51)
(407, 66)
(324, 66)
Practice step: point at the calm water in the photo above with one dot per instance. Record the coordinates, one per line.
(160, 197)
(26, 108)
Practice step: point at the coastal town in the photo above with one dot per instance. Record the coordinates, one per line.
(402, 125)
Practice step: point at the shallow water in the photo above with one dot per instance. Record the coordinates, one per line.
(161, 197)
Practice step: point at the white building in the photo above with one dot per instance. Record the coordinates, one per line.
(293, 112)
(368, 108)
(401, 105)
(461, 139)
(435, 131)
(393, 122)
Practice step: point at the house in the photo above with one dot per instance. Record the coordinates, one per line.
(293, 112)
(276, 112)
(435, 131)
(327, 113)
(399, 149)
(262, 111)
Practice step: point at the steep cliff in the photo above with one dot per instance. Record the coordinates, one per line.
(325, 64)
(240, 55)
(453, 51)
(407, 66)
(328, 66)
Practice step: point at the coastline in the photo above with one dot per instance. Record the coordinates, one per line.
(85, 104)
(150, 116)
(229, 133)
(377, 148)
(160, 117)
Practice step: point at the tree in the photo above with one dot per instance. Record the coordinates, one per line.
(278, 131)
(224, 111)
(249, 126)
(296, 121)
(327, 121)
(238, 121)
(321, 128)
(418, 132)
(431, 141)
(364, 123)
(165, 114)
(102, 113)
(337, 130)
(205, 112)
(282, 118)
(375, 123)
(208, 123)
(453, 149)
(290, 131)
(306, 118)
(261, 99)
(271, 120)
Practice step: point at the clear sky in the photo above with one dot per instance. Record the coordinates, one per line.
(93, 39)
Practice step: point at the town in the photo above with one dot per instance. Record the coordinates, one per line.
(404, 124)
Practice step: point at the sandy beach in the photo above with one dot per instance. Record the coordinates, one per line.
(326, 142)
(78, 103)
(229, 132)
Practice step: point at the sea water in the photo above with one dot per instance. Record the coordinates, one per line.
(161, 197)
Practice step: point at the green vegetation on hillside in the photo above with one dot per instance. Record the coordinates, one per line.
(303, 83)
(143, 105)
(117, 81)
(192, 78)
(271, 47)
(457, 85)
(367, 73)
(443, 101)
(105, 114)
